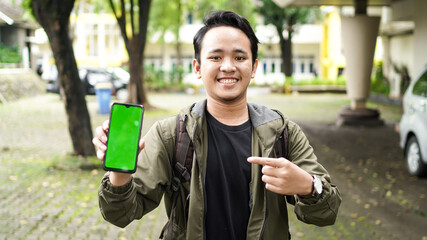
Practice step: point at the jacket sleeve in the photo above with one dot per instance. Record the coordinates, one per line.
(321, 210)
(120, 205)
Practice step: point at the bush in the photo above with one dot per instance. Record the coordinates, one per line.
(379, 83)
(341, 81)
(9, 54)
(159, 80)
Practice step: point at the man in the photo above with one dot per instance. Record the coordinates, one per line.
(238, 185)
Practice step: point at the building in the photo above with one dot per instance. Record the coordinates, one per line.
(98, 43)
(16, 30)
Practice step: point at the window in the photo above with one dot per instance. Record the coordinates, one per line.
(420, 87)
(92, 40)
(112, 36)
(302, 67)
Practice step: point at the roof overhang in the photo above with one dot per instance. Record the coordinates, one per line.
(306, 3)
(6, 18)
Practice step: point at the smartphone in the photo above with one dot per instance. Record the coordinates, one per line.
(123, 137)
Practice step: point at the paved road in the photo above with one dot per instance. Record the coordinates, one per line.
(380, 199)
(43, 195)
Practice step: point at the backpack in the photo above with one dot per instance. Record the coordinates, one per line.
(182, 162)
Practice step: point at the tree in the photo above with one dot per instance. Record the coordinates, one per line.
(286, 19)
(169, 15)
(54, 17)
(126, 13)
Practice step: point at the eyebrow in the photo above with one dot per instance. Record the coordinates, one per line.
(218, 50)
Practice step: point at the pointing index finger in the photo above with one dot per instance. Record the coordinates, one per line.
(272, 162)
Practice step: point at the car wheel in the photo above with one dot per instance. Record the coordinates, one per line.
(416, 167)
(122, 94)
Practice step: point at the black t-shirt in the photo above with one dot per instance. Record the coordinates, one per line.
(227, 180)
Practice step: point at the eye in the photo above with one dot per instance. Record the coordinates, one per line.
(240, 58)
(215, 58)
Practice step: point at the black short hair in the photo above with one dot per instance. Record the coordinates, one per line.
(225, 18)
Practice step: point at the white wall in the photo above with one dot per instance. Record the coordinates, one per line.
(401, 54)
(420, 37)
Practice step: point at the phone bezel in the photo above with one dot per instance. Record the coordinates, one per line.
(127, 105)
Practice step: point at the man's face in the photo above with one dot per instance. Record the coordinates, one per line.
(226, 64)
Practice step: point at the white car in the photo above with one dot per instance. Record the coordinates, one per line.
(413, 126)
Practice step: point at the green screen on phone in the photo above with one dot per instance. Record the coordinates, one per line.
(123, 137)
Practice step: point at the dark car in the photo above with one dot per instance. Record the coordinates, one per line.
(92, 76)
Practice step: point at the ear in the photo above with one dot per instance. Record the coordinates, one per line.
(254, 68)
(196, 69)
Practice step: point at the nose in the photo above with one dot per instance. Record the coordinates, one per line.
(227, 66)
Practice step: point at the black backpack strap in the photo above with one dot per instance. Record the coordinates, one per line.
(181, 163)
(281, 147)
(183, 158)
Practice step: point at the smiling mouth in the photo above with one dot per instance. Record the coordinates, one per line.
(227, 80)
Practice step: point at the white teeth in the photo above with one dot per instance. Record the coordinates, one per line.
(228, 81)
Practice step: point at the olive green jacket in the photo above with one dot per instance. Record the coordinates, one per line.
(268, 218)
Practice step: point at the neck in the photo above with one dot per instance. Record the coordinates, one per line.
(232, 114)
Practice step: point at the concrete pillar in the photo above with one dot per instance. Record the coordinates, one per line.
(359, 35)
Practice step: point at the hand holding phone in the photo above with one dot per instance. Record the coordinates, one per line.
(124, 134)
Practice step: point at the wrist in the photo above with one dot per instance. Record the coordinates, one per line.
(119, 179)
(316, 188)
(308, 187)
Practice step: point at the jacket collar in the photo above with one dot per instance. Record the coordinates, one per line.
(259, 114)
(268, 124)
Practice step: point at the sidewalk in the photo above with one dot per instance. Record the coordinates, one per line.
(380, 199)
(43, 195)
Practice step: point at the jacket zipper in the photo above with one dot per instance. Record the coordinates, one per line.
(203, 182)
(266, 196)
(266, 215)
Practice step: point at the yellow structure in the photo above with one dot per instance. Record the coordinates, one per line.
(97, 40)
(332, 60)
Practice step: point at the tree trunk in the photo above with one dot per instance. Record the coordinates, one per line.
(286, 52)
(135, 46)
(179, 68)
(54, 18)
(137, 93)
